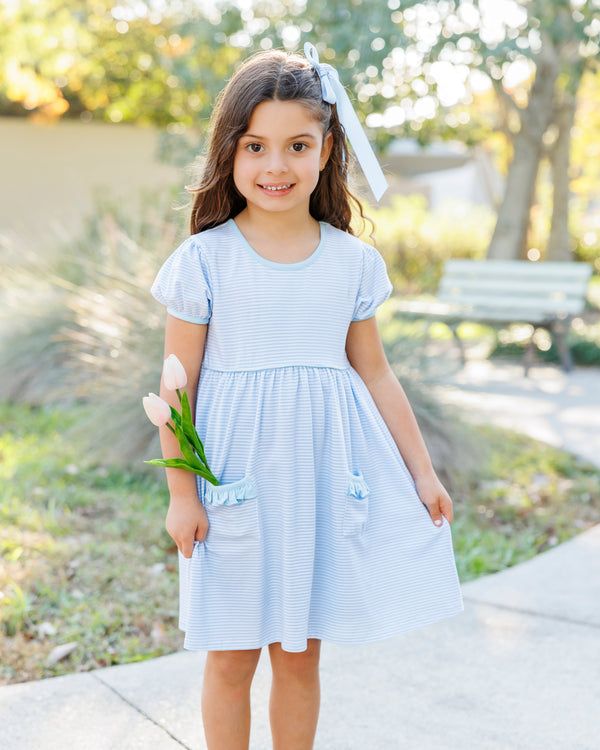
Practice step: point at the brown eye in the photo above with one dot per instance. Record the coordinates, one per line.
(254, 148)
(299, 147)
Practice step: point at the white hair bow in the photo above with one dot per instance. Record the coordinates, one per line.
(335, 93)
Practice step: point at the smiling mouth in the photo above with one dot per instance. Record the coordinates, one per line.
(276, 188)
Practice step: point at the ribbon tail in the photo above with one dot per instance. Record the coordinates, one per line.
(359, 142)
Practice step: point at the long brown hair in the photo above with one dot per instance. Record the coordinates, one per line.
(268, 76)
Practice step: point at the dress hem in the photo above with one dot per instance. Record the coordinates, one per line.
(323, 636)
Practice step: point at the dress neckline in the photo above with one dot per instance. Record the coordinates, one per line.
(273, 263)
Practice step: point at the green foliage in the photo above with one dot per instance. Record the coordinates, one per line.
(136, 63)
(416, 241)
(93, 334)
(588, 253)
(117, 63)
(528, 497)
(83, 551)
(583, 341)
(13, 607)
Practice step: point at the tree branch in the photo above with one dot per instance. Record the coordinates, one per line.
(506, 97)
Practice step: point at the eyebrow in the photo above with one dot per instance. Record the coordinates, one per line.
(293, 138)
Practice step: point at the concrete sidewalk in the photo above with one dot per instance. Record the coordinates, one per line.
(562, 409)
(518, 670)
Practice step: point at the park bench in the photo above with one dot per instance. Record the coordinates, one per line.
(501, 292)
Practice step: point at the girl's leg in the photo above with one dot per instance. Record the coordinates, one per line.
(295, 696)
(226, 698)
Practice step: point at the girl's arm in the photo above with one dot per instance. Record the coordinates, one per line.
(186, 518)
(367, 357)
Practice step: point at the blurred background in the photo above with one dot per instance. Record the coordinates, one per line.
(486, 118)
(115, 97)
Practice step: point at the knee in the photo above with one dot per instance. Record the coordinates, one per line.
(302, 665)
(233, 667)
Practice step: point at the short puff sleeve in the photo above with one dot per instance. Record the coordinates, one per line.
(375, 286)
(183, 284)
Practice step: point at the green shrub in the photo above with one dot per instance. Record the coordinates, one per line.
(416, 241)
(583, 340)
(585, 235)
(81, 325)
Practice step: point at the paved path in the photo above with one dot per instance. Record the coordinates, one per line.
(560, 408)
(518, 670)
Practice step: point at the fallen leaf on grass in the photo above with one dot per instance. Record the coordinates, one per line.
(60, 652)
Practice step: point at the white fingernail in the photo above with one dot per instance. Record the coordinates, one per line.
(438, 522)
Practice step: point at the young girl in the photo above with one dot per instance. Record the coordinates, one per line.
(329, 522)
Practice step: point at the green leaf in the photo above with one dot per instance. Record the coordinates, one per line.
(175, 416)
(189, 440)
(186, 449)
(191, 433)
(190, 429)
(179, 463)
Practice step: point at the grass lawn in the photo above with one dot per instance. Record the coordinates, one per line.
(85, 557)
(86, 560)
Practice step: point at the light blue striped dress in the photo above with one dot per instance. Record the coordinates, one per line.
(316, 530)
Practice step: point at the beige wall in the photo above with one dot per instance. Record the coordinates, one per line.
(48, 174)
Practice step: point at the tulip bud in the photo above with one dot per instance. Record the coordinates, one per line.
(157, 410)
(174, 375)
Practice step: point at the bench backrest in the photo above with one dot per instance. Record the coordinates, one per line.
(516, 288)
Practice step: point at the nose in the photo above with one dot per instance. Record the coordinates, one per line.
(277, 163)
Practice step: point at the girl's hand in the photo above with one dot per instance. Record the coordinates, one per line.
(434, 497)
(186, 523)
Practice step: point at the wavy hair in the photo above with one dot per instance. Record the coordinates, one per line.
(263, 77)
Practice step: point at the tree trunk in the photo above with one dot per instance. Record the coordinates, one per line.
(525, 241)
(560, 246)
(513, 216)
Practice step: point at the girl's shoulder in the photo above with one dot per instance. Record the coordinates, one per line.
(197, 253)
(349, 243)
(204, 248)
(209, 239)
(185, 281)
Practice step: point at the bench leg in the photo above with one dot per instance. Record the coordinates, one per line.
(559, 331)
(529, 355)
(463, 355)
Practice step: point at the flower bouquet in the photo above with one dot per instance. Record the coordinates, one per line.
(159, 412)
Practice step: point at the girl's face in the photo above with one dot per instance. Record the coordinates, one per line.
(277, 161)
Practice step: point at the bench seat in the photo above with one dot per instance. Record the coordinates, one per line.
(501, 292)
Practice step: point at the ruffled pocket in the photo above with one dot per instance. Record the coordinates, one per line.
(356, 509)
(230, 494)
(231, 509)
